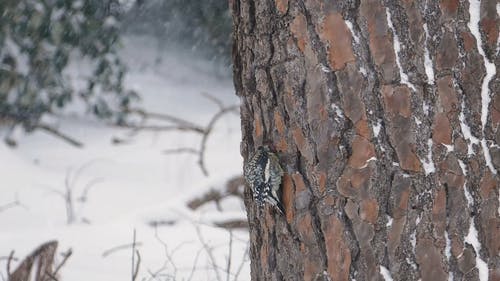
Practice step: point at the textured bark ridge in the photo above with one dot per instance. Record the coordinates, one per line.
(386, 119)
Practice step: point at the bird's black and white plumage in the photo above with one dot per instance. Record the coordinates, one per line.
(263, 174)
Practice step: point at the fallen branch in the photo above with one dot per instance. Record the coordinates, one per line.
(232, 224)
(211, 195)
(181, 122)
(15, 120)
(182, 125)
(59, 134)
(120, 247)
(10, 205)
(232, 188)
(159, 128)
(181, 150)
(39, 264)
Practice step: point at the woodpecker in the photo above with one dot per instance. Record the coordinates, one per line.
(263, 174)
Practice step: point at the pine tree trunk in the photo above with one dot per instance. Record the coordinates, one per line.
(386, 119)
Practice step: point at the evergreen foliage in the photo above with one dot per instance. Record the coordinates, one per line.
(37, 40)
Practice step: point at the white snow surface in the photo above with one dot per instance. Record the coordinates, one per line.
(132, 183)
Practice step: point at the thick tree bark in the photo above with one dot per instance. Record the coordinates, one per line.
(386, 117)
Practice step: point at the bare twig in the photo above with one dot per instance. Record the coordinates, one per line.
(169, 118)
(155, 274)
(72, 179)
(135, 265)
(195, 263)
(243, 260)
(230, 255)
(51, 276)
(168, 254)
(160, 128)
(183, 125)
(68, 195)
(66, 256)
(120, 247)
(59, 134)
(6, 258)
(84, 195)
(181, 150)
(9, 260)
(68, 199)
(208, 130)
(10, 205)
(213, 99)
(209, 252)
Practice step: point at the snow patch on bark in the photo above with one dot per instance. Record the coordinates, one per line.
(468, 196)
(487, 156)
(338, 111)
(324, 68)
(474, 7)
(385, 273)
(449, 148)
(447, 249)
(425, 108)
(363, 71)
(467, 132)
(376, 128)
(463, 167)
(447, 252)
(429, 68)
(389, 221)
(367, 161)
(472, 239)
(354, 36)
(428, 164)
(397, 49)
(498, 39)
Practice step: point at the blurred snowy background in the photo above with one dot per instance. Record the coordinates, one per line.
(121, 135)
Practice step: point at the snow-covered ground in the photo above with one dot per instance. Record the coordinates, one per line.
(131, 183)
